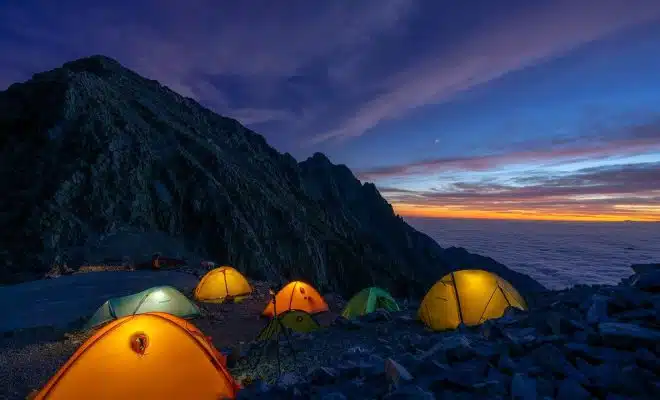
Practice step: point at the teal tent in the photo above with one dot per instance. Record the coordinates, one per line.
(156, 299)
(368, 300)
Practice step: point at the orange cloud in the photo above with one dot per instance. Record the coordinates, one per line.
(616, 193)
(585, 215)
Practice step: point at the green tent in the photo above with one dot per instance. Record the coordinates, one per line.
(369, 300)
(156, 299)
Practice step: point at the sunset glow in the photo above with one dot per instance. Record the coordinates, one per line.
(425, 211)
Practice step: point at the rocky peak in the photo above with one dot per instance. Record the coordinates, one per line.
(92, 150)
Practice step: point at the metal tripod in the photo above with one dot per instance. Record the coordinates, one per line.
(281, 329)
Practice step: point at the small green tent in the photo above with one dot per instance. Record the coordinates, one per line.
(156, 299)
(369, 300)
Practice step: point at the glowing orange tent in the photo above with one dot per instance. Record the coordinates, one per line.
(220, 284)
(297, 295)
(146, 356)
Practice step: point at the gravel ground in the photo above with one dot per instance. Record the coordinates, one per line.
(29, 357)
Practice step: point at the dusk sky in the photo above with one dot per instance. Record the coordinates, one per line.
(481, 109)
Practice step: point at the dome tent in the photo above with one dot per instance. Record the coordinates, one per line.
(222, 284)
(295, 320)
(297, 295)
(156, 299)
(469, 297)
(368, 300)
(139, 357)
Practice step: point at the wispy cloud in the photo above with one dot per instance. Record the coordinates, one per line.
(625, 190)
(184, 44)
(638, 139)
(507, 43)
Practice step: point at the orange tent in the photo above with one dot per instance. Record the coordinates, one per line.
(145, 356)
(297, 295)
(221, 284)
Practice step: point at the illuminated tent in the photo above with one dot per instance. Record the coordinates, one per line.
(295, 320)
(368, 300)
(143, 357)
(156, 299)
(297, 295)
(467, 296)
(221, 284)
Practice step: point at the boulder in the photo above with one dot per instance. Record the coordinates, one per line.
(523, 387)
(649, 281)
(598, 309)
(627, 335)
(570, 389)
(644, 268)
(396, 373)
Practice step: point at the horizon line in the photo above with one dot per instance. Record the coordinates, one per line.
(406, 211)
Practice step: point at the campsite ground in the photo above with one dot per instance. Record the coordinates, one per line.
(39, 331)
(580, 343)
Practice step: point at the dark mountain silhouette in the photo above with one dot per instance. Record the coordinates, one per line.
(92, 149)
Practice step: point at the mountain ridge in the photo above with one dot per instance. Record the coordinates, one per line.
(92, 148)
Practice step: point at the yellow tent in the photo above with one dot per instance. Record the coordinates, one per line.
(220, 284)
(146, 356)
(469, 296)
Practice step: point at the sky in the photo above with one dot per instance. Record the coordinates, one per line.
(510, 109)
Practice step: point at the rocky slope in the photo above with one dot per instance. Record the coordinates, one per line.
(92, 150)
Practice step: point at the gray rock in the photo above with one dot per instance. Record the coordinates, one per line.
(379, 315)
(551, 359)
(626, 335)
(644, 268)
(458, 347)
(409, 392)
(523, 387)
(396, 373)
(570, 389)
(648, 360)
(490, 387)
(348, 369)
(649, 281)
(506, 364)
(437, 351)
(585, 351)
(598, 310)
(323, 376)
(255, 390)
(334, 396)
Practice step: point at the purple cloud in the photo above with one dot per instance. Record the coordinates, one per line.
(507, 43)
(639, 139)
(614, 190)
(182, 44)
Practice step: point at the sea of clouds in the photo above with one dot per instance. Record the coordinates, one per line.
(557, 254)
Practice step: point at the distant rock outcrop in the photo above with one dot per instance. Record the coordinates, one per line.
(92, 150)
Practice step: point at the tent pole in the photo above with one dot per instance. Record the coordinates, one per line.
(458, 299)
(288, 338)
(277, 336)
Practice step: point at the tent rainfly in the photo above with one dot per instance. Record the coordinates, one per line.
(222, 284)
(156, 299)
(368, 300)
(140, 357)
(469, 297)
(297, 295)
